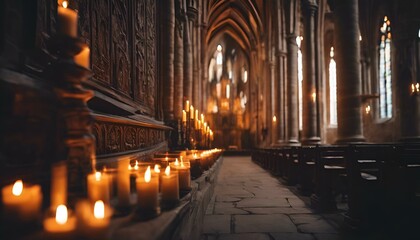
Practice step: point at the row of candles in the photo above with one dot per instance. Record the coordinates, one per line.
(195, 128)
(22, 202)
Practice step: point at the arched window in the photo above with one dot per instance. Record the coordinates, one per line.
(300, 78)
(385, 82)
(333, 88)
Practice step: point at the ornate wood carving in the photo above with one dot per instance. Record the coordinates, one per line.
(100, 43)
(121, 67)
(151, 53)
(119, 136)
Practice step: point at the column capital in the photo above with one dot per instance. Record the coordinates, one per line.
(310, 6)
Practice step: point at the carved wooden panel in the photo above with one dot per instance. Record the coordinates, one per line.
(140, 91)
(121, 67)
(114, 137)
(100, 41)
(151, 53)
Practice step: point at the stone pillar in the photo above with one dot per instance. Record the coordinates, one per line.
(292, 91)
(310, 133)
(168, 26)
(178, 59)
(274, 102)
(347, 55)
(188, 50)
(197, 66)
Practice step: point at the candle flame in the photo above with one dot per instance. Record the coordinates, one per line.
(166, 159)
(17, 188)
(98, 176)
(176, 162)
(99, 210)
(167, 171)
(65, 4)
(157, 169)
(147, 175)
(195, 155)
(136, 167)
(61, 214)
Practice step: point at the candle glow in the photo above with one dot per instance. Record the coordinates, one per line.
(99, 210)
(156, 168)
(168, 171)
(17, 188)
(147, 175)
(61, 214)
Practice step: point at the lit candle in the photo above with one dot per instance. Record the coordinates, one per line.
(148, 191)
(58, 185)
(170, 186)
(123, 183)
(21, 203)
(184, 175)
(196, 114)
(98, 187)
(202, 117)
(192, 112)
(187, 106)
(67, 20)
(82, 58)
(61, 222)
(184, 116)
(93, 221)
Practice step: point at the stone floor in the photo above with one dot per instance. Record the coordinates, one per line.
(249, 203)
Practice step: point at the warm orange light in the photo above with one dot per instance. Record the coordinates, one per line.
(274, 118)
(166, 159)
(65, 4)
(176, 162)
(61, 214)
(415, 88)
(367, 109)
(167, 171)
(147, 175)
(157, 169)
(313, 97)
(98, 176)
(17, 188)
(99, 210)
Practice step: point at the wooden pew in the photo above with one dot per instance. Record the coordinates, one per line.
(306, 169)
(367, 168)
(329, 166)
(290, 164)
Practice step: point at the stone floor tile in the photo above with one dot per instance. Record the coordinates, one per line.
(273, 210)
(292, 236)
(311, 223)
(227, 208)
(222, 198)
(244, 236)
(216, 224)
(263, 202)
(263, 223)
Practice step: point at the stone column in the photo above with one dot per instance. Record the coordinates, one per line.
(178, 59)
(310, 133)
(168, 26)
(197, 66)
(188, 50)
(292, 91)
(274, 102)
(347, 55)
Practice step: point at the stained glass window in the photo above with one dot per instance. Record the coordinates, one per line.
(385, 82)
(300, 78)
(333, 88)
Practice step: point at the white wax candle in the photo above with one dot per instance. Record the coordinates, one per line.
(93, 219)
(98, 187)
(67, 20)
(184, 175)
(170, 186)
(62, 222)
(58, 185)
(83, 58)
(148, 191)
(22, 202)
(123, 183)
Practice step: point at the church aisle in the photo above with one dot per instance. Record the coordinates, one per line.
(249, 203)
